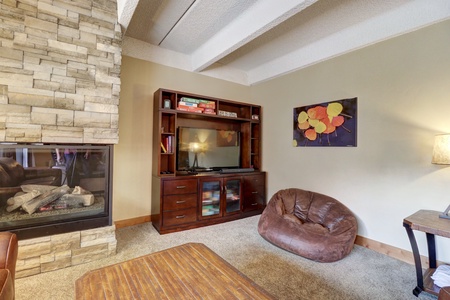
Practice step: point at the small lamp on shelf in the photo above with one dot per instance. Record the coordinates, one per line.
(441, 156)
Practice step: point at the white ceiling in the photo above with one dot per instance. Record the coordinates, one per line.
(250, 41)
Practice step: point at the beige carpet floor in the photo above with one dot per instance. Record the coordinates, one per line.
(364, 274)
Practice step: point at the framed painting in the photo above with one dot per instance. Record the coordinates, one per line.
(329, 124)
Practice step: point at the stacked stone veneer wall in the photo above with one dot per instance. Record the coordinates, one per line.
(59, 71)
(60, 251)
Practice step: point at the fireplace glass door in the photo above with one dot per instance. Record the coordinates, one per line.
(54, 187)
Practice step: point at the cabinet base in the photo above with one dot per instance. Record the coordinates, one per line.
(165, 229)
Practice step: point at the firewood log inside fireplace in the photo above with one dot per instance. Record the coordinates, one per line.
(44, 199)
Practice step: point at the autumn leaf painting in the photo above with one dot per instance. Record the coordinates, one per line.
(326, 124)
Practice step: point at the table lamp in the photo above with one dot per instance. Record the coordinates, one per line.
(441, 156)
(194, 147)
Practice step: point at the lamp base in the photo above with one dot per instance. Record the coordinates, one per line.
(195, 164)
(445, 215)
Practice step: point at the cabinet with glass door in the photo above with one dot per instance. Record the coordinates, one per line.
(219, 197)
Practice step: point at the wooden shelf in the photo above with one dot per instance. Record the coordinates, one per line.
(428, 283)
(167, 118)
(219, 114)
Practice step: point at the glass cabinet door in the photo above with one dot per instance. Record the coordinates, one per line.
(210, 193)
(233, 195)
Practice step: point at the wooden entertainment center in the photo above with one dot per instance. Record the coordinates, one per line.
(197, 197)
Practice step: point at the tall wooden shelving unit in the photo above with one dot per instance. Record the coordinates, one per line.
(166, 120)
(172, 212)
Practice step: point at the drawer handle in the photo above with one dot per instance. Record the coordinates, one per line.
(181, 187)
(254, 192)
(254, 204)
(180, 217)
(180, 201)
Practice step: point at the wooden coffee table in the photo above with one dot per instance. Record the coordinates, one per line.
(189, 271)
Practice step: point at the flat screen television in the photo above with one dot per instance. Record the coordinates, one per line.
(207, 149)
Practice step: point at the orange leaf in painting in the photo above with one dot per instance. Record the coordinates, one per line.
(311, 134)
(330, 127)
(338, 121)
(312, 113)
(321, 112)
(317, 113)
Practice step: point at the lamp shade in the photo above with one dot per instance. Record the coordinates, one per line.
(441, 150)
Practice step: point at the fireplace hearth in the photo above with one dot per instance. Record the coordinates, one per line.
(35, 169)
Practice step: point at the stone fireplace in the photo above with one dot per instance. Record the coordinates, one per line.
(59, 89)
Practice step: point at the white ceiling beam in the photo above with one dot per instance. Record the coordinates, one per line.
(262, 16)
(148, 52)
(409, 17)
(142, 50)
(125, 11)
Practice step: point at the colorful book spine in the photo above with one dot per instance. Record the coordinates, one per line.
(207, 105)
(190, 108)
(197, 105)
(191, 100)
(188, 104)
(209, 111)
(197, 101)
(167, 144)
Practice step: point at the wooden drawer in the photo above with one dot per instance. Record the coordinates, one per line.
(176, 187)
(173, 202)
(254, 192)
(254, 186)
(178, 217)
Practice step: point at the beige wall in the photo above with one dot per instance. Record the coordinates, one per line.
(403, 90)
(402, 87)
(132, 157)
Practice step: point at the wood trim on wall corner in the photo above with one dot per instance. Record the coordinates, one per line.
(132, 222)
(391, 251)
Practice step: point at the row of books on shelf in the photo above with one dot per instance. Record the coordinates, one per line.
(197, 105)
(209, 210)
(167, 144)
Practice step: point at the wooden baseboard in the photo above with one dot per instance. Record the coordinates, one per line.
(132, 222)
(389, 250)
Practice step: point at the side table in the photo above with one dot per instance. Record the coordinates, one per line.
(427, 221)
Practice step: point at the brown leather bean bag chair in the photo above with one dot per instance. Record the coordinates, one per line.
(309, 224)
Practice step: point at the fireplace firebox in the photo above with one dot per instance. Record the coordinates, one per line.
(48, 189)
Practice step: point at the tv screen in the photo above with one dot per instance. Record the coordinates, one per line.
(207, 149)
